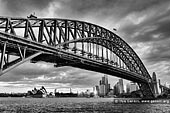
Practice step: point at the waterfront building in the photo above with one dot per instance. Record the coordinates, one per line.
(105, 83)
(127, 88)
(57, 94)
(70, 94)
(111, 93)
(96, 91)
(133, 87)
(37, 93)
(121, 87)
(104, 87)
(102, 90)
(116, 89)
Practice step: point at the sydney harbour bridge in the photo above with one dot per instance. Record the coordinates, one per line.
(73, 43)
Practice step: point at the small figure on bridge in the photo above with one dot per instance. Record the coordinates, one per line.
(32, 16)
(114, 29)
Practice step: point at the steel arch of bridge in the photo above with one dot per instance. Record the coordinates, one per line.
(30, 38)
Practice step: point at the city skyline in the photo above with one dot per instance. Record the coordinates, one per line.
(144, 25)
(118, 89)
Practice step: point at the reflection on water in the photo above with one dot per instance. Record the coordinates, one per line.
(82, 105)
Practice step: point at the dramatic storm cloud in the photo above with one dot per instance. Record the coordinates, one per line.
(24, 7)
(143, 24)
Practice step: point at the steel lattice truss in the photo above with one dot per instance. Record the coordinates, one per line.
(164, 89)
(82, 43)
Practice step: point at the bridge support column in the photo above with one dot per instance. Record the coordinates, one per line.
(147, 90)
(16, 63)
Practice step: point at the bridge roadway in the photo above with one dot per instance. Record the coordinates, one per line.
(59, 57)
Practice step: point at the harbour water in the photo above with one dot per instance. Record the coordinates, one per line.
(78, 105)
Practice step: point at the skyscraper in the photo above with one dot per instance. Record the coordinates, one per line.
(128, 88)
(102, 90)
(116, 89)
(121, 87)
(104, 87)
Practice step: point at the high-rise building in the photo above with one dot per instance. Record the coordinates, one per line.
(105, 82)
(116, 89)
(96, 90)
(104, 86)
(128, 88)
(121, 87)
(102, 90)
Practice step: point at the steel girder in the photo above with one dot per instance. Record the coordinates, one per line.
(53, 32)
(6, 64)
(112, 46)
(164, 89)
(145, 87)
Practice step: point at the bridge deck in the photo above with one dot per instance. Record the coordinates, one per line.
(53, 55)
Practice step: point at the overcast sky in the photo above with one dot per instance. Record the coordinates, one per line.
(143, 24)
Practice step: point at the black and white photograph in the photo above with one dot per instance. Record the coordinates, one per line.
(84, 56)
